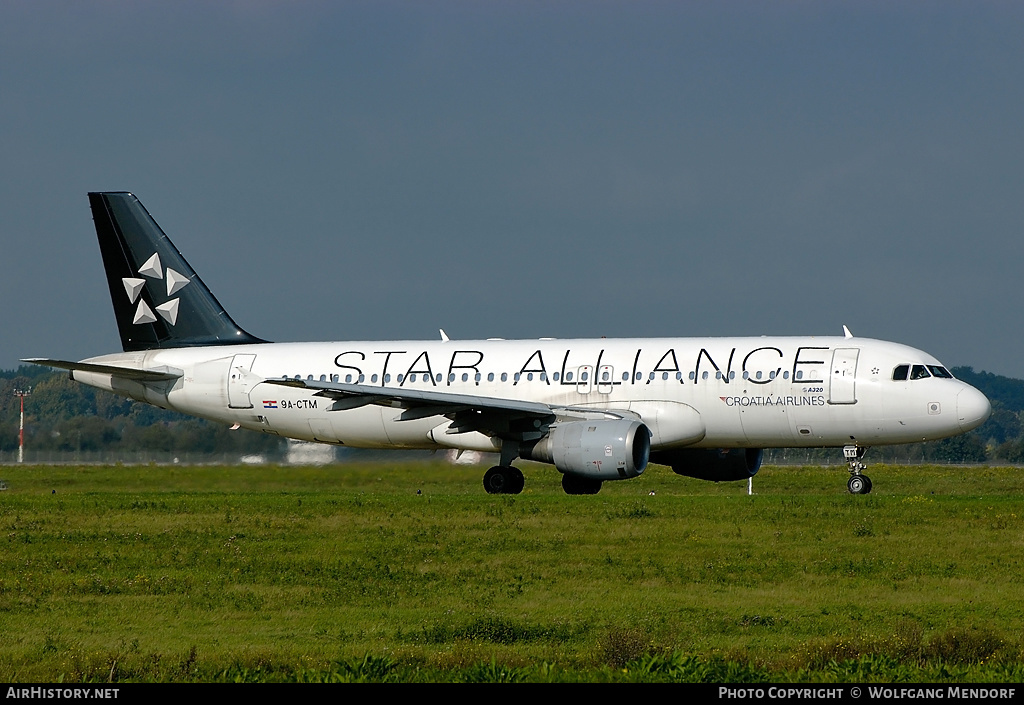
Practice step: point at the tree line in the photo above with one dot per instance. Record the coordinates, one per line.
(64, 416)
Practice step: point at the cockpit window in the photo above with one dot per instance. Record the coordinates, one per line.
(903, 372)
(919, 372)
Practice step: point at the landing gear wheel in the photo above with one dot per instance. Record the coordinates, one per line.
(858, 484)
(495, 480)
(576, 484)
(517, 481)
(504, 480)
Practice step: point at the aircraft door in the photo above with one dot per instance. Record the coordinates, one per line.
(240, 381)
(605, 378)
(842, 383)
(584, 379)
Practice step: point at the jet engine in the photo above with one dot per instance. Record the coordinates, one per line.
(715, 464)
(604, 449)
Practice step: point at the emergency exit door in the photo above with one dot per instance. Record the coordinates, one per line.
(843, 376)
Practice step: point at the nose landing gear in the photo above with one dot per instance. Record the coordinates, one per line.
(858, 483)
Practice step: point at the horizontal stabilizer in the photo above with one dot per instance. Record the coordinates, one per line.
(163, 374)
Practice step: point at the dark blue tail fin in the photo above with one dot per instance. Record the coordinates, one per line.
(159, 300)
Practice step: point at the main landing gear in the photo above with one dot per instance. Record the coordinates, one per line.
(858, 483)
(504, 479)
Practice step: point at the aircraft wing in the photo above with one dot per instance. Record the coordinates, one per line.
(513, 419)
(164, 374)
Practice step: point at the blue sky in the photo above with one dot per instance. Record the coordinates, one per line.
(379, 170)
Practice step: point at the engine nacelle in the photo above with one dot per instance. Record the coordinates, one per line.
(601, 450)
(715, 464)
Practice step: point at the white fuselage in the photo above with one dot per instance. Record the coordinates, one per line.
(697, 392)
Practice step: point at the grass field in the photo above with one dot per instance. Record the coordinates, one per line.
(378, 572)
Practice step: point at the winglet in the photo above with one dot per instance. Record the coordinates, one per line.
(846, 332)
(444, 336)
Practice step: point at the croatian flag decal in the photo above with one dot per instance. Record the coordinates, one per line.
(269, 404)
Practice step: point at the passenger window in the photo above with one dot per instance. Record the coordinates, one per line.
(568, 376)
(900, 373)
(918, 372)
(490, 376)
(504, 376)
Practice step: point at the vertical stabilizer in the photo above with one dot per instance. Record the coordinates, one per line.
(159, 300)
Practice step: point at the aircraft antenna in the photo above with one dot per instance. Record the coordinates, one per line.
(846, 332)
(444, 336)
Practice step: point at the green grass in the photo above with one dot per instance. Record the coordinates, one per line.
(371, 572)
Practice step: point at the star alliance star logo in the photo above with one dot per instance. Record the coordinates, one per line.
(175, 283)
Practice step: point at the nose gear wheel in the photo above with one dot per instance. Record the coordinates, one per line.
(859, 483)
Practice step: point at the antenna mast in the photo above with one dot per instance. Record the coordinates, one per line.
(21, 394)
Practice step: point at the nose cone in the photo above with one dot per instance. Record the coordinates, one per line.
(972, 408)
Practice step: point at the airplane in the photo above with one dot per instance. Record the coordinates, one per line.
(596, 409)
